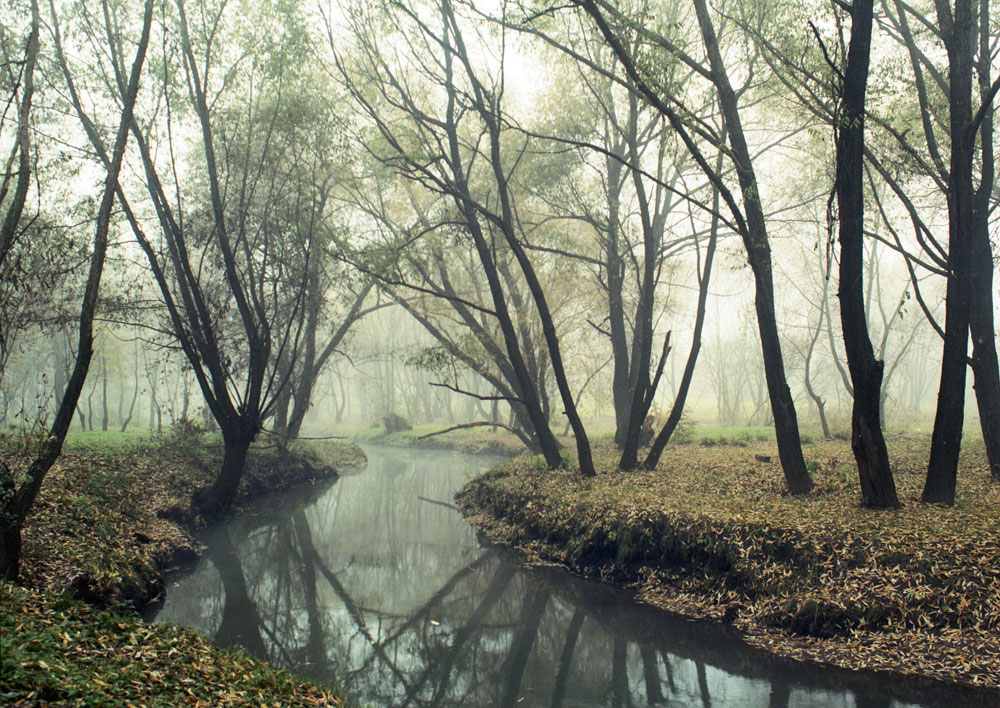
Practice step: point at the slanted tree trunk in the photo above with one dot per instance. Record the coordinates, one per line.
(946, 440)
(11, 226)
(786, 428)
(17, 502)
(528, 392)
(867, 441)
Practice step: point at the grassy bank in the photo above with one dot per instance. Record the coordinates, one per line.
(55, 651)
(474, 441)
(711, 534)
(112, 517)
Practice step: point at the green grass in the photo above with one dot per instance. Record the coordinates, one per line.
(56, 651)
(478, 440)
(112, 515)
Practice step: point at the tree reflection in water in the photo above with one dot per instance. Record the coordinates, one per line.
(367, 585)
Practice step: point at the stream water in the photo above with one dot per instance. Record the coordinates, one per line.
(374, 583)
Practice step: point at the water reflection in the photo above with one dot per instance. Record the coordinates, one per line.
(376, 583)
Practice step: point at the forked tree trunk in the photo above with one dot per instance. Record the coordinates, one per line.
(677, 410)
(946, 440)
(878, 488)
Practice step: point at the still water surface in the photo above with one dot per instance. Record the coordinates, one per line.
(374, 583)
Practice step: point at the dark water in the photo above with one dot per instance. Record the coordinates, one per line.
(373, 585)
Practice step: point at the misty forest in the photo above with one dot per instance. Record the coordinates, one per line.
(499, 352)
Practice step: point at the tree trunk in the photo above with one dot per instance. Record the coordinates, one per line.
(985, 369)
(135, 395)
(90, 407)
(878, 489)
(281, 407)
(616, 308)
(786, 428)
(10, 528)
(104, 396)
(216, 499)
(946, 440)
(11, 226)
(528, 392)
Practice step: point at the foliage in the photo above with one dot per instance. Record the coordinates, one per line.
(711, 533)
(56, 651)
(106, 523)
(113, 516)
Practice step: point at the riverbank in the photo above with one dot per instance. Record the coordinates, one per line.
(472, 441)
(711, 535)
(113, 516)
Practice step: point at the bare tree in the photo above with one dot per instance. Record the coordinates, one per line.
(748, 218)
(17, 502)
(489, 217)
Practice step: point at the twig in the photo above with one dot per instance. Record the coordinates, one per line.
(439, 503)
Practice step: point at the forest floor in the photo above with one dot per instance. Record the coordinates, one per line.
(711, 534)
(112, 517)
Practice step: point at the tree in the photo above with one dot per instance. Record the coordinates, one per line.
(426, 264)
(22, 88)
(230, 280)
(985, 363)
(17, 501)
(641, 178)
(867, 441)
(749, 219)
(946, 440)
(461, 138)
(945, 104)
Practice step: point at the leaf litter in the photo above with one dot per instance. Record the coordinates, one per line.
(711, 534)
(107, 524)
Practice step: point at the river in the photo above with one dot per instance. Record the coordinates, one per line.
(374, 584)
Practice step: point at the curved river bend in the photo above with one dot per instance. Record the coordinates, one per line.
(375, 584)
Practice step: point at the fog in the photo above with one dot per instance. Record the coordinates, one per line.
(477, 212)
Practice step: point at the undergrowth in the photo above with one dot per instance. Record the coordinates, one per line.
(712, 534)
(109, 520)
(56, 651)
